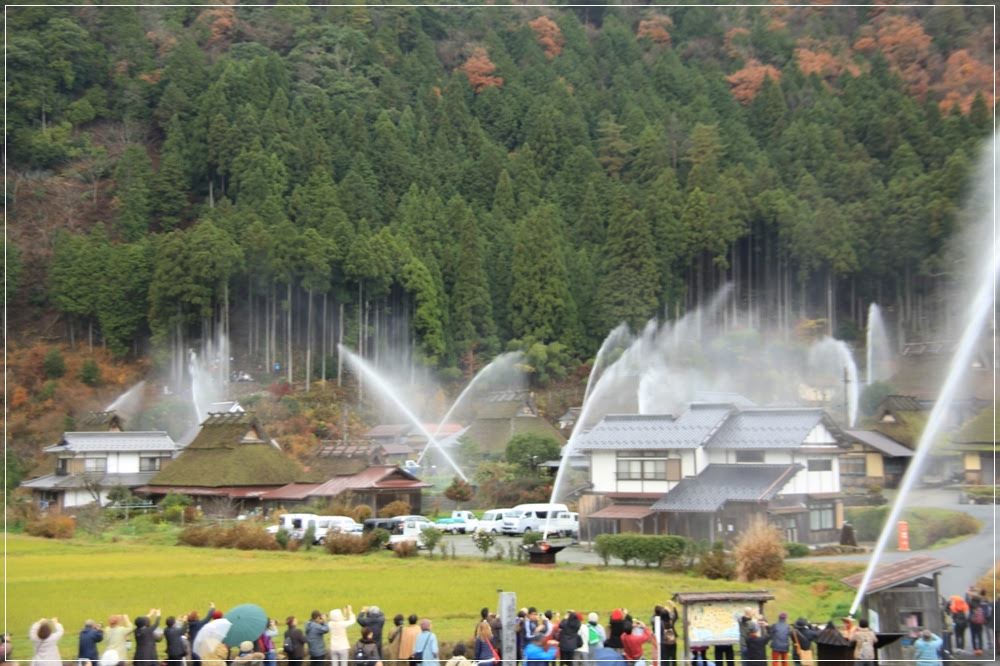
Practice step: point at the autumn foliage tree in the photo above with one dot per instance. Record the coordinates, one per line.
(746, 82)
(906, 46)
(479, 70)
(656, 29)
(459, 491)
(964, 77)
(550, 37)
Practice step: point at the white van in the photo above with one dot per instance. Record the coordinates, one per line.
(324, 525)
(293, 523)
(492, 521)
(530, 517)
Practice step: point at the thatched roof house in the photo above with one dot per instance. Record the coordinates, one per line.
(231, 457)
(109, 421)
(504, 414)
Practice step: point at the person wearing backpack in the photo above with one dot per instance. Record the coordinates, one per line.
(959, 610)
(668, 633)
(365, 652)
(568, 635)
(864, 643)
(595, 637)
(977, 621)
(294, 645)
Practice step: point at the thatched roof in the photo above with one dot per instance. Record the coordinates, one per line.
(336, 459)
(492, 434)
(230, 450)
(980, 430)
(101, 422)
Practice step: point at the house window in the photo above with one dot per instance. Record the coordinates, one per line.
(820, 465)
(149, 464)
(821, 516)
(749, 456)
(62, 467)
(647, 466)
(852, 466)
(95, 464)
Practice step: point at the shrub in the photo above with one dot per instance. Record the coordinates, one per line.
(379, 538)
(716, 564)
(282, 538)
(927, 526)
(759, 553)
(348, 544)
(90, 373)
(242, 536)
(361, 513)
(405, 549)
(795, 549)
(484, 541)
(54, 364)
(649, 549)
(309, 537)
(51, 526)
(48, 390)
(176, 499)
(174, 514)
(393, 509)
(531, 538)
(429, 537)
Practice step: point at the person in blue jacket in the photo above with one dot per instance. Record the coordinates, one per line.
(926, 649)
(90, 636)
(540, 650)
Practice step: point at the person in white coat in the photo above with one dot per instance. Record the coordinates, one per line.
(583, 652)
(340, 646)
(45, 635)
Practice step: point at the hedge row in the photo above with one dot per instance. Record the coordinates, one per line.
(650, 550)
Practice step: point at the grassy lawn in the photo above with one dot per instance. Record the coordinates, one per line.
(78, 579)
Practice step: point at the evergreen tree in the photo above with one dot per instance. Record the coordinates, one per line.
(471, 317)
(539, 297)
(630, 280)
(170, 185)
(133, 175)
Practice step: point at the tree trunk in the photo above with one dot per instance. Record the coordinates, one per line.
(361, 339)
(340, 343)
(90, 335)
(72, 334)
(326, 321)
(288, 332)
(829, 301)
(211, 193)
(309, 338)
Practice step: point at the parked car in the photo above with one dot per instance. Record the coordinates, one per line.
(564, 523)
(408, 528)
(460, 522)
(529, 517)
(293, 523)
(492, 521)
(372, 524)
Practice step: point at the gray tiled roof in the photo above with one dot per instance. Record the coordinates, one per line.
(628, 432)
(880, 442)
(74, 481)
(718, 484)
(85, 442)
(767, 428)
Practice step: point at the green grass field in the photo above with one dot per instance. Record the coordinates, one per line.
(75, 580)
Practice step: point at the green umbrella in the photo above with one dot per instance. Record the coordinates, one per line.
(249, 622)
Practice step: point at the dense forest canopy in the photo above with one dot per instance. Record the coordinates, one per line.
(457, 181)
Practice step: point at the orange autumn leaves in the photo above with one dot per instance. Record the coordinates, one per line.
(549, 35)
(746, 82)
(479, 71)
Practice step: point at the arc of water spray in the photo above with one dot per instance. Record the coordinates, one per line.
(981, 308)
(362, 367)
(461, 396)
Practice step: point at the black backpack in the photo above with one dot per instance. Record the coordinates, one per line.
(360, 658)
(289, 645)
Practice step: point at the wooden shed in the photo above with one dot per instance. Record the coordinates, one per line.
(905, 598)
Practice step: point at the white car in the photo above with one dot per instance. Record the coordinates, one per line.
(492, 521)
(293, 523)
(530, 517)
(408, 528)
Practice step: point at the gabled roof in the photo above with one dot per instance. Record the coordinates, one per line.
(379, 477)
(769, 428)
(890, 575)
(101, 421)
(230, 406)
(506, 404)
(387, 430)
(230, 450)
(881, 443)
(902, 403)
(690, 430)
(492, 434)
(726, 397)
(718, 484)
(76, 481)
(99, 442)
(340, 458)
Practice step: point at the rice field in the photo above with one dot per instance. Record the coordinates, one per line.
(76, 580)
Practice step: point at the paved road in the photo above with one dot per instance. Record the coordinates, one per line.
(971, 557)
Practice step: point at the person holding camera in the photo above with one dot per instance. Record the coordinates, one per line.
(45, 635)
(636, 635)
(145, 639)
(316, 628)
(90, 636)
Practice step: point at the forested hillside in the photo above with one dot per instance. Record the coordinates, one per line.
(467, 180)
